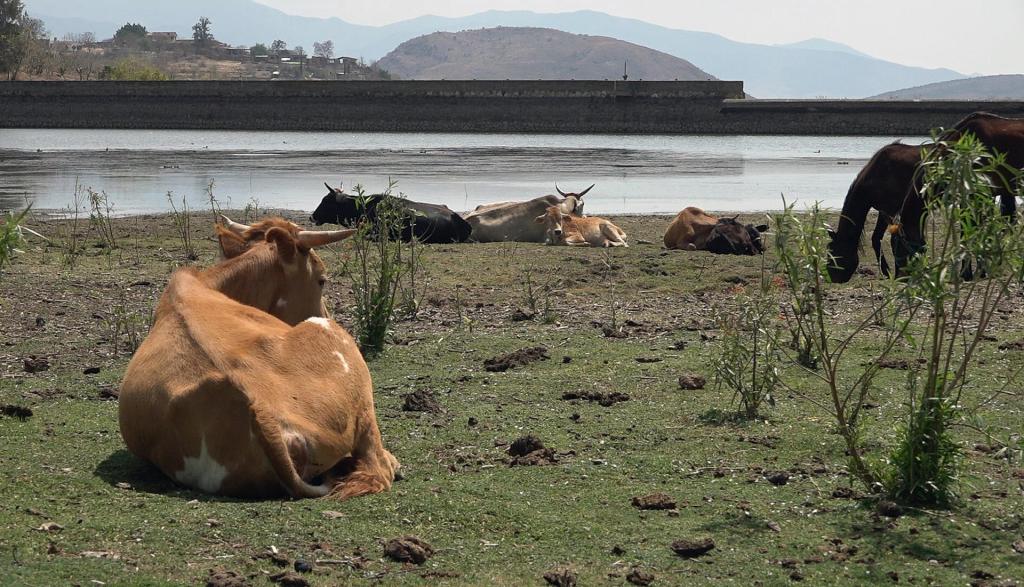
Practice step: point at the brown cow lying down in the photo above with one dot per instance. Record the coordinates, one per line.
(564, 229)
(695, 230)
(245, 387)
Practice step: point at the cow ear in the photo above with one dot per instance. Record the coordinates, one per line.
(231, 244)
(286, 245)
(541, 219)
(761, 228)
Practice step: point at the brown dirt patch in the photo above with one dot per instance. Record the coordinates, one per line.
(692, 381)
(35, 364)
(289, 579)
(640, 577)
(408, 549)
(530, 451)
(561, 577)
(222, 578)
(519, 358)
(688, 548)
(421, 400)
(655, 501)
(604, 399)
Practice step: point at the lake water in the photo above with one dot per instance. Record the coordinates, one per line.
(634, 174)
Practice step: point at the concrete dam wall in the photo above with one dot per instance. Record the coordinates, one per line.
(633, 107)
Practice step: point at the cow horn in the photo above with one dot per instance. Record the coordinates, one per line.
(329, 188)
(318, 238)
(560, 192)
(233, 226)
(584, 192)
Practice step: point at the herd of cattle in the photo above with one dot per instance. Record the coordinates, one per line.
(551, 219)
(246, 387)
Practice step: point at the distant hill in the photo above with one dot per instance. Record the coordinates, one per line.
(767, 71)
(990, 87)
(531, 53)
(817, 44)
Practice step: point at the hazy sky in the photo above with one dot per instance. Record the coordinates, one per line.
(970, 37)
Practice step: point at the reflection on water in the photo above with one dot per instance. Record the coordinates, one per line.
(634, 174)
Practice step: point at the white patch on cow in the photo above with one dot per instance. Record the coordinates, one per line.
(281, 302)
(202, 472)
(321, 322)
(344, 363)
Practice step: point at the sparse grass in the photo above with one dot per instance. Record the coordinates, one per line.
(183, 226)
(491, 523)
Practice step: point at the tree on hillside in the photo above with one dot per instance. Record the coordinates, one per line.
(277, 46)
(11, 14)
(130, 34)
(201, 32)
(325, 49)
(21, 39)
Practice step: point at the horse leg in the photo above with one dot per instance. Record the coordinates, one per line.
(876, 242)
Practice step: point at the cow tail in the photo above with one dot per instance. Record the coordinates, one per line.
(271, 438)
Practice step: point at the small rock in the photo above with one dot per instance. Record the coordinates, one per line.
(472, 421)
(52, 548)
(332, 515)
(645, 360)
(566, 360)
(640, 577)
(90, 370)
(561, 577)
(50, 527)
(1019, 546)
(693, 548)
(40, 321)
(303, 566)
(618, 550)
(692, 381)
(774, 526)
(289, 579)
(109, 393)
(796, 576)
(654, 501)
(408, 549)
(123, 485)
(777, 478)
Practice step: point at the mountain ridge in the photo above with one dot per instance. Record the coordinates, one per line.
(767, 71)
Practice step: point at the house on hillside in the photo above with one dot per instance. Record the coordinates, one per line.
(162, 37)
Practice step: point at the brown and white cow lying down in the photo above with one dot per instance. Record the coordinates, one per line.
(513, 221)
(695, 230)
(566, 229)
(245, 387)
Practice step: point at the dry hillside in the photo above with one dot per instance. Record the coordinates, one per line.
(531, 53)
(991, 87)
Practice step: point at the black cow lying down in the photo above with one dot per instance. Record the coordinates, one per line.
(429, 223)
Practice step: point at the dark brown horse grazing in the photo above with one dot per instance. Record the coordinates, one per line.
(887, 184)
(890, 183)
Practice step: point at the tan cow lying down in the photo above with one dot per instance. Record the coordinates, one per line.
(245, 387)
(565, 229)
(695, 230)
